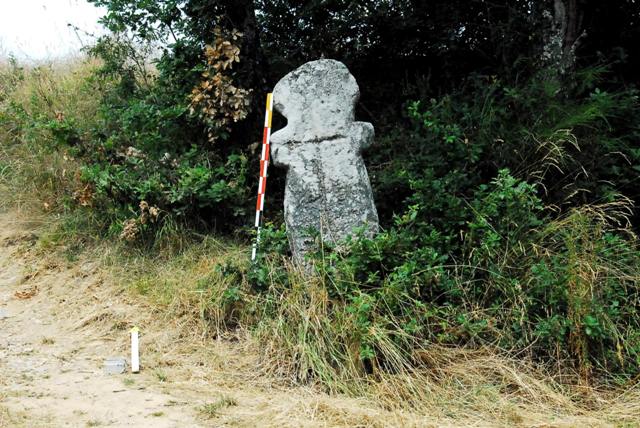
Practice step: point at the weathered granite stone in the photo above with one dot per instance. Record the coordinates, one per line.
(327, 186)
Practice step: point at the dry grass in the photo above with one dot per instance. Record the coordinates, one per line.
(458, 385)
(28, 159)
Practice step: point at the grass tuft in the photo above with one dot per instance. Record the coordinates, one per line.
(212, 410)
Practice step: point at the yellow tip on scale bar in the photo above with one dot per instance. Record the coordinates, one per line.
(269, 108)
(269, 98)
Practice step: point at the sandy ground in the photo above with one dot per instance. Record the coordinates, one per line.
(52, 367)
(59, 321)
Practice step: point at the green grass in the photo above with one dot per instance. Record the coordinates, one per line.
(160, 375)
(212, 410)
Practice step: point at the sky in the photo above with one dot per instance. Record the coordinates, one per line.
(37, 29)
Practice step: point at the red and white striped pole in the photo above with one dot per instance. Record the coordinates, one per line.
(264, 164)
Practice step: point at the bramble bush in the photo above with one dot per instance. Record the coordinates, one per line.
(561, 289)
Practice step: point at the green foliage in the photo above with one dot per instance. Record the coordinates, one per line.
(562, 289)
(182, 187)
(486, 248)
(578, 147)
(149, 148)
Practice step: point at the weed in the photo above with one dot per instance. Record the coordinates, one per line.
(211, 410)
(160, 375)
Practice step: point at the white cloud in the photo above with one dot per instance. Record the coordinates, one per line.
(38, 29)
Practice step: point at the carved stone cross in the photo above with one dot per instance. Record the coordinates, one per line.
(327, 186)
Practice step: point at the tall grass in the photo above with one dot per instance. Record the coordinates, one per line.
(33, 100)
(304, 336)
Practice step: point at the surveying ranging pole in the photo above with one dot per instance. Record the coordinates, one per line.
(264, 164)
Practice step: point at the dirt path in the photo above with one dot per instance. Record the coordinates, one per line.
(51, 366)
(60, 319)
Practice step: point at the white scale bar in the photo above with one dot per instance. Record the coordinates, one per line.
(135, 352)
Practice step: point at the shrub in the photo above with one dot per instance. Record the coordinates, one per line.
(560, 290)
(161, 142)
(504, 208)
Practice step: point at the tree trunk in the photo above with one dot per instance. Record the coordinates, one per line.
(240, 15)
(563, 36)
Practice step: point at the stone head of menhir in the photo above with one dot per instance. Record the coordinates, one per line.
(318, 97)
